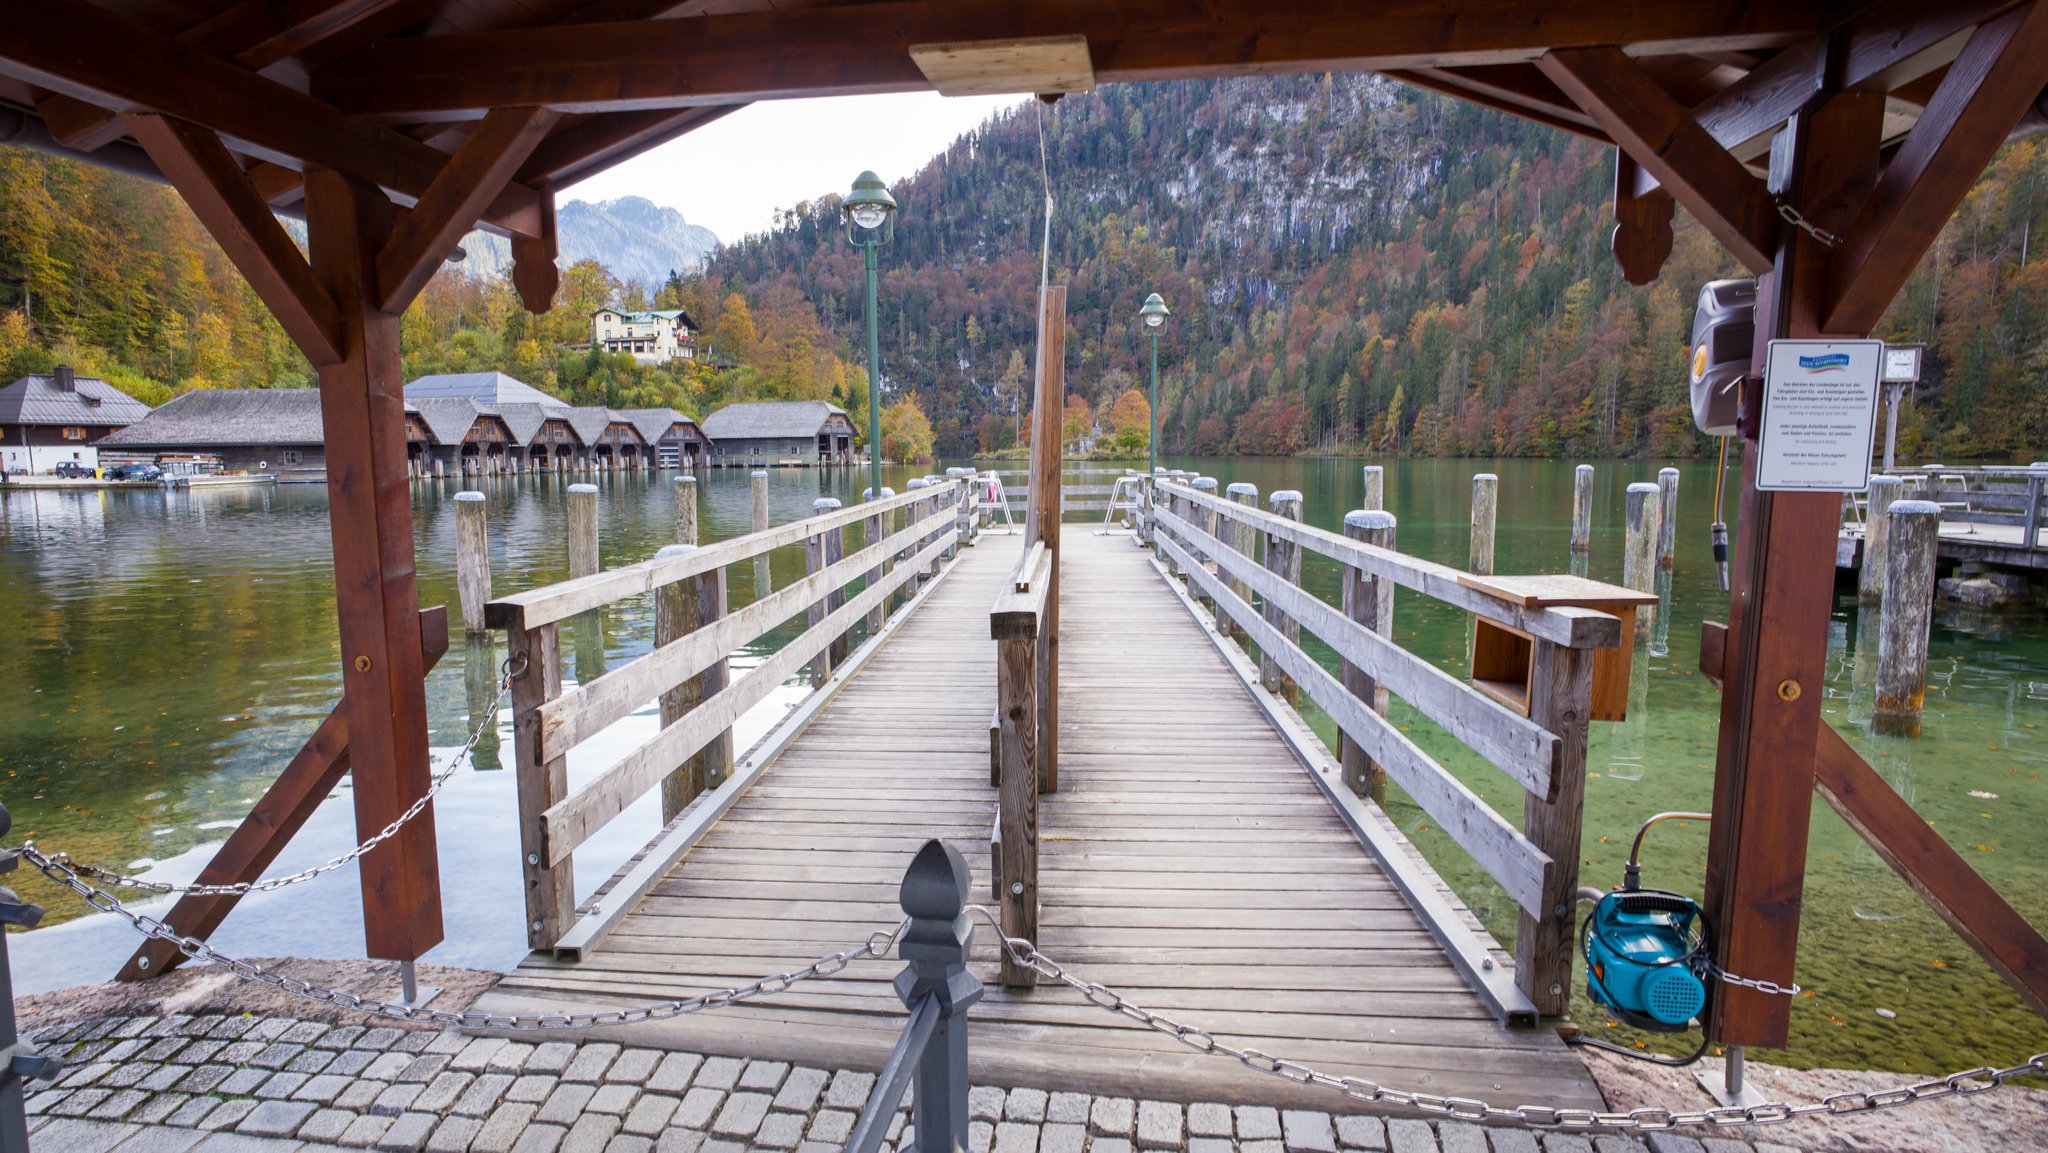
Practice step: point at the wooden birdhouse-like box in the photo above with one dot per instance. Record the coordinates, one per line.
(1502, 655)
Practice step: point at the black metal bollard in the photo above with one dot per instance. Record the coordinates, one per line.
(937, 989)
(17, 1062)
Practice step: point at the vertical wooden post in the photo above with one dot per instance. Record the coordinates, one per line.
(1639, 551)
(916, 514)
(1485, 501)
(821, 548)
(1045, 515)
(875, 529)
(686, 510)
(1207, 520)
(1667, 518)
(362, 408)
(1017, 706)
(1375, 489)
(1582, 510)
(583, 557)
(675, 617)
(1243, 539)
(759, 480)
(1876, 534)
(1560, 700)
(1283, 559)
(537, 679)
(472, 559)
(963, 506)
(1362, 603)
(1908, 614)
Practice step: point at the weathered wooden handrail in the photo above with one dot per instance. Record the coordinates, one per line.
(548, 722)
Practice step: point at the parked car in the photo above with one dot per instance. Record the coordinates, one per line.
(135, 472)
(72, 470)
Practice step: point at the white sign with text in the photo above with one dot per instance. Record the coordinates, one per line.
(1820, 415)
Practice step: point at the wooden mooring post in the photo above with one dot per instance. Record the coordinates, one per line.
(1375, 488)
(1639, 549)
(821, 551)
(1365, 597)
(583, 556)
(686, 509)
(472, 559)
(1283, 559)
(1485, 503)
(1877, 523)
(1206, 521)
(873, 529)
(681, 608)
(1667, 518)
(761, 574)
(1245, 540)
(1582, 510)
(1908, 609)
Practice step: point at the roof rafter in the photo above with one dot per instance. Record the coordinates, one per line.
(451, 204)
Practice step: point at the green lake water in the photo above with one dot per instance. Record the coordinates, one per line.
(171, 650)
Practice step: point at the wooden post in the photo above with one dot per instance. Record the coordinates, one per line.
(1876, 534)
(1362, 603)
(686, 510)
(874, 530)
(1017, 801)
(1208, 522)
(1283, 559)
(679, 610)
(821, 550)
(761, 573)
(537, 679)
(916, 513)
(1639, 552)
(1908, 614)
(1582, 510)
(963, 506)
(1667, 518)
(472, 559)
(1243, 539)
(1050, 393)
(1375, 488)
(1485, 500)
(583, 560)
(1560, 700)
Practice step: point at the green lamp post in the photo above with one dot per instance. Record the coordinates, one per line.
(1155, 313)
(870, 223)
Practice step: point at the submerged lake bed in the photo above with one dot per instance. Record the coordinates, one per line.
(177, 647)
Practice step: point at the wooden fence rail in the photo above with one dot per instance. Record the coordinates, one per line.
(1535, 862)
(548, 722)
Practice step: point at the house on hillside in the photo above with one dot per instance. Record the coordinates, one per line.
(656, 336)
(260, 430)
(783, 432)
(48, 419)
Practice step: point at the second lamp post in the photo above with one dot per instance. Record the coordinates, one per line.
(1155, 313)
(871, 223)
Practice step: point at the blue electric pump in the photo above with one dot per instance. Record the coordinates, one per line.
(1646, 950)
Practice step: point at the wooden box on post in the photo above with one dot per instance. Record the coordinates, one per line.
(1503, 656)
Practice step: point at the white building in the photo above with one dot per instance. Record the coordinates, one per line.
(661, 336)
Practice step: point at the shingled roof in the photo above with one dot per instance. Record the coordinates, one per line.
(651, 423)
(769, 418)
(39, 399)
(483, 387)
(448, 418)
(225, 418)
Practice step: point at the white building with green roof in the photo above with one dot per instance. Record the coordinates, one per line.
(657, 336)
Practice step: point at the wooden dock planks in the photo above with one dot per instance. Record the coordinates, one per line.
(1186, 860)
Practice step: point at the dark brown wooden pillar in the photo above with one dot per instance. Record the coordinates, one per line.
(362, 404)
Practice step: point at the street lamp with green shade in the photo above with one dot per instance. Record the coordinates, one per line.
(870, 223)
(1155, 313)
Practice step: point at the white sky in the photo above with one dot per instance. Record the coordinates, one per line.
(731, 175)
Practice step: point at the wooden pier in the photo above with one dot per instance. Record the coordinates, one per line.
(1188, 859)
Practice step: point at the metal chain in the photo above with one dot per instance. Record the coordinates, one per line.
(1792, 217)
(1968, 1081)
(878, 945)
(121, 881)
(1757, 983)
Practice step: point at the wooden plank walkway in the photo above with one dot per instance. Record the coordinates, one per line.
(1187, 860)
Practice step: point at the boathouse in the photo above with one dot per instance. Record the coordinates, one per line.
(780, 432)
(48, 419)
(262, 430)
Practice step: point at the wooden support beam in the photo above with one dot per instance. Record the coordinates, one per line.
(129, 67)
(1517, 89)
(1660, 134)
(277, 816)
(362, 407)
(1990, 85)
(573, 151)
(847, 50)
(1958, 894)
(1642, 235)
(535, 275)
(473, 177)
(199, 166)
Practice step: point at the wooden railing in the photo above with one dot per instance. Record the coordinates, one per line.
(548, 722)
(1544, 751)
(1995, 495)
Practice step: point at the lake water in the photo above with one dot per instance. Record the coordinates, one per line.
(173, 649)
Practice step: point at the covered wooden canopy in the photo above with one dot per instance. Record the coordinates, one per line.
(1825, 144)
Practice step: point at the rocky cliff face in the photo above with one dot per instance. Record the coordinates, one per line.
(632, 236)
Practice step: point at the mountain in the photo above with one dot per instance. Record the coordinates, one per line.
(1353, 264)
(637, 239)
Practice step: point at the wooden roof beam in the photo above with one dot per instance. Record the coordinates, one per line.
(571, 152)
(200, 167)
(1886, 49)
(846, 50)
(1661, 136)
(1517, 89)
(1987, 89)
(135, 69)
(451, 204)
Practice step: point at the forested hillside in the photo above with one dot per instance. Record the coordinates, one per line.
(1352, 265)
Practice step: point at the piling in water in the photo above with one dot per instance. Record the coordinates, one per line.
(1375, 488)
(1667, 517)
(1915, 531)
(1884, 490)
(472, 559)
(1283, 559)
(822, 551)
(1485, 503)
(681, 608)
(1639, 548)
(1244, 539)
(1206, 520)
(1369, 602)
(761, 575)
(1582, 509)
(582, 530)
(686, 510)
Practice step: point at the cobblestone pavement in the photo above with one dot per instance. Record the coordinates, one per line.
(247, 1084)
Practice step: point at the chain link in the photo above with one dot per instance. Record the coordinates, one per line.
(1792, 217)
(269, 884)
(1757, 983)
(1360, 1089)
(878, 945)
